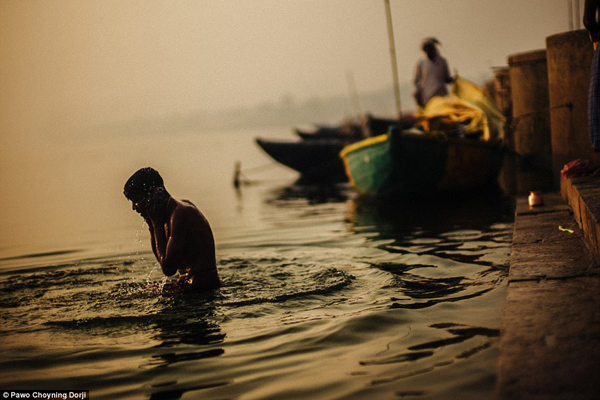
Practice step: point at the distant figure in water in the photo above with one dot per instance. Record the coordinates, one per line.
(432, 74)
(239, 178)
(181, 237)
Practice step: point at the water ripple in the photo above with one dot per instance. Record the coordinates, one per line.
(323, 296)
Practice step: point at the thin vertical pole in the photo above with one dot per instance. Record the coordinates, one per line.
(353, 92)
(570, 4)
(577, 15)
(388, 12)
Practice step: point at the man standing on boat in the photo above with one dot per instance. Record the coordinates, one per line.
(432, 73)
(181, 237)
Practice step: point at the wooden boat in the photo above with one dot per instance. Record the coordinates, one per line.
(316, 156)
(414, 164)
(349, 131)
(375, 126)
(316, 160)
(369, 125)
(329, 133)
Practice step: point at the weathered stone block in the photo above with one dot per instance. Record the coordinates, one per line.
(551, 260)
(545, 228)
(550, 340)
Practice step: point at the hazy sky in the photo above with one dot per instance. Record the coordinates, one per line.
(68, 67)
(65, 64)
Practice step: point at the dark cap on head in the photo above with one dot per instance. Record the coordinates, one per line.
(142, 182)
(430, 41)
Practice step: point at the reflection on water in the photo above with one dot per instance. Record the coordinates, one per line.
(324, 296)
(311, 193)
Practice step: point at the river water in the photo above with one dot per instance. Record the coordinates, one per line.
(325, 295)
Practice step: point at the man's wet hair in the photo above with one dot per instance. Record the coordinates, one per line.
(142, 182)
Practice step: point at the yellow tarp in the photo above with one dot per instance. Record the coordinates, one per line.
(468, 104)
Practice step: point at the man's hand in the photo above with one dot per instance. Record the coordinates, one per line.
(157, 203)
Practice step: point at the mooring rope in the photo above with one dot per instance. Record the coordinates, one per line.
(514, 121)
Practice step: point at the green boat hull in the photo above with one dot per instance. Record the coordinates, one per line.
(414, 165)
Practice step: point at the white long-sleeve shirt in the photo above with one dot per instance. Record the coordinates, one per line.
(431, 77)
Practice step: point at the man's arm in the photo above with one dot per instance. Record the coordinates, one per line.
(447, 78)
(418, 93)
(418, 76)
(170, 250)
(152, 237)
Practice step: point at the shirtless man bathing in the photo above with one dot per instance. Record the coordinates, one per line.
(182, 240)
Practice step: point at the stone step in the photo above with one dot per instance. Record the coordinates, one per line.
(583, 195)
(550, 337)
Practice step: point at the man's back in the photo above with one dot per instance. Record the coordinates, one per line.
(198, 265)
(431, 77)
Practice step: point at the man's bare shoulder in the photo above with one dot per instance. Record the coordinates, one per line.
(187, 209)
(186, 204)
